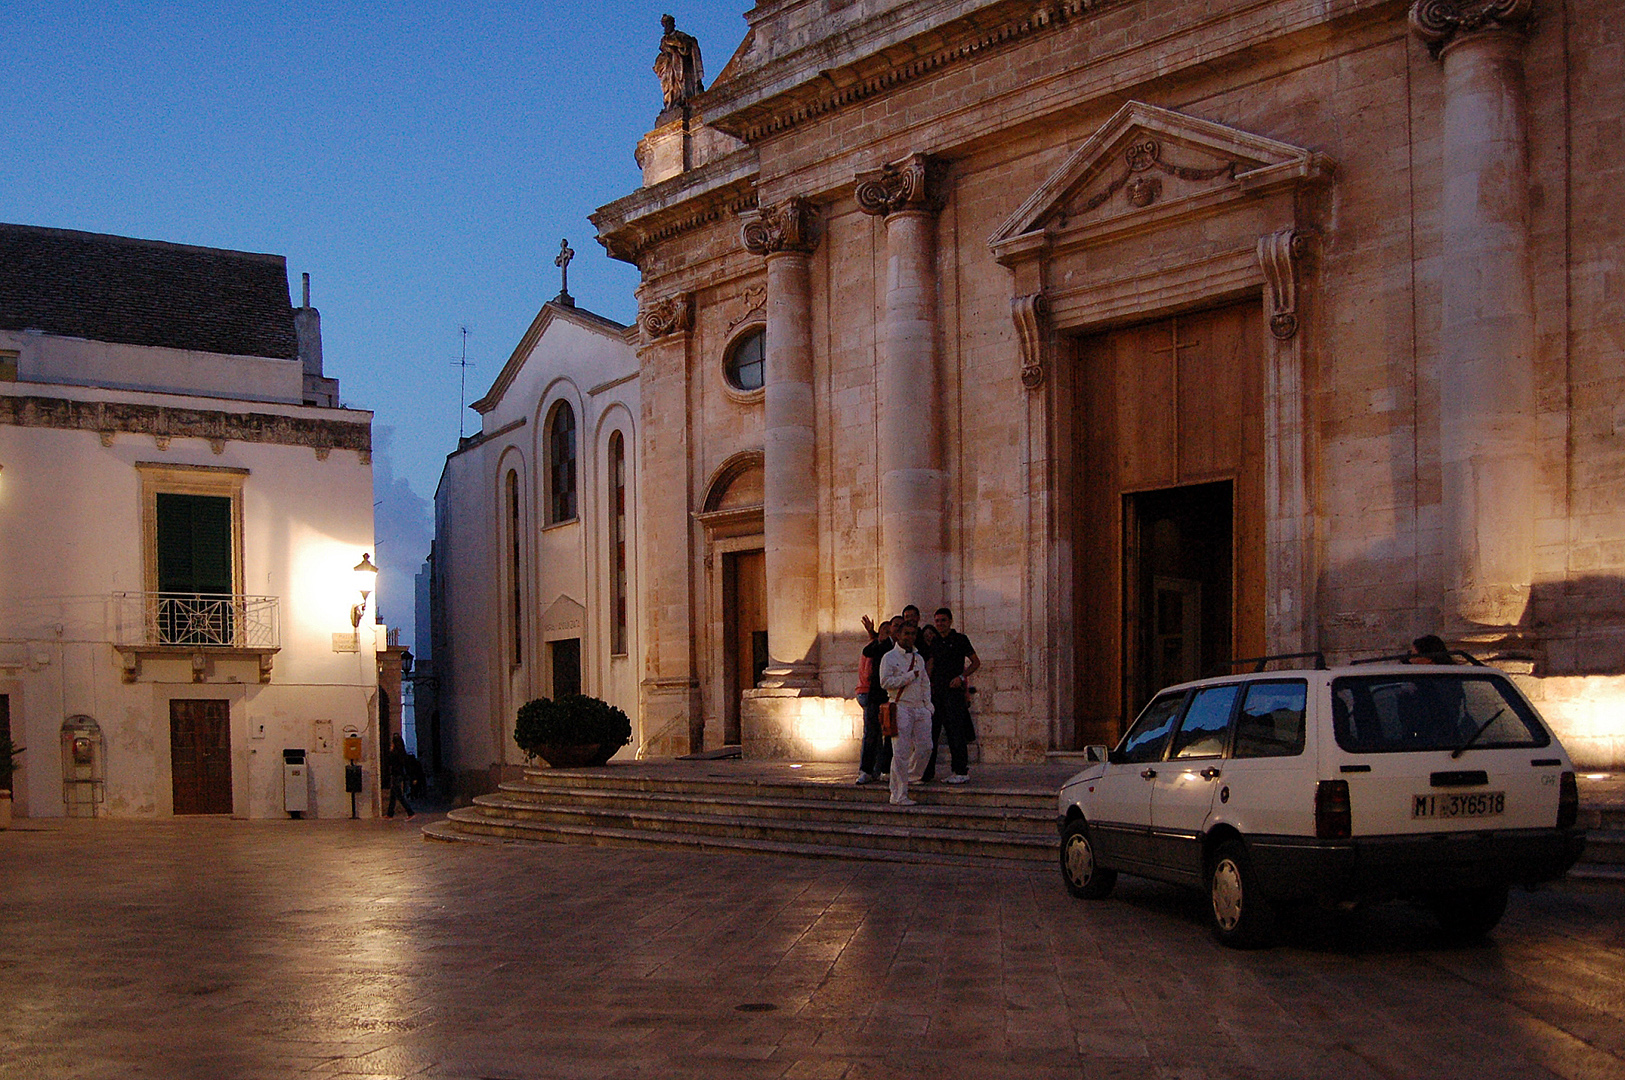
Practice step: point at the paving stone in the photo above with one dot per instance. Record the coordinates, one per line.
(339, 949)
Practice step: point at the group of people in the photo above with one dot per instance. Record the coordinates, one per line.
(924, 672)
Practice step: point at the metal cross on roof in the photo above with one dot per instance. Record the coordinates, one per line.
(563, 263)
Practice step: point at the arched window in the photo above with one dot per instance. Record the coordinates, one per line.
(617, 543)
(516, 588)
(745, 362)
(561, 464)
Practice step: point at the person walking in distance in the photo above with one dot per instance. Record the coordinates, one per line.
(876, 756)
(904, 678)
(398, 779)
(953, 662)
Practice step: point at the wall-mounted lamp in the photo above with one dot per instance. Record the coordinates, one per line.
(366, 576)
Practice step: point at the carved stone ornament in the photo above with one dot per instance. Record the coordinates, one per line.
(915, 183)
(165, 423)
(1438, 22)
(1142, 156)
(673, 315)
(1029, 313)
(1279, 255)
(792, 225)
(754, 300)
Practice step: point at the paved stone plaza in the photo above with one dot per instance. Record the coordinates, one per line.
(231, 949)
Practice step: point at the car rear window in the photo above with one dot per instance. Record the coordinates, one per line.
(1375, 714)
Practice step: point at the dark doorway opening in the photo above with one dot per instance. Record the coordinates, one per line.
(565, 659)
(1178, 586)
(744, 617)
(200, 755)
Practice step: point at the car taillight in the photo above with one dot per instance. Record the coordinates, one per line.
(1568, 802)
(1333, 818)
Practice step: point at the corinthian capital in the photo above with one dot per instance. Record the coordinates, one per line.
(792, 225)
(1438, 22)
(915, 183)
(673, 315)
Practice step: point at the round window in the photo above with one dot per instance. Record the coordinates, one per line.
(744, 365)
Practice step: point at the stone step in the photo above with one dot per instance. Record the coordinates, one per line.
(901, 834)
(1604, 847)
(863, 807)
(971, 794)
(497, 831)
(1602, 817)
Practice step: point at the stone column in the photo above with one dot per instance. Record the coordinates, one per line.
(912, 482)
(786, 235)
(1487, 378)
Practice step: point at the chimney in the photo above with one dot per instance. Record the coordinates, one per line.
(307, 328)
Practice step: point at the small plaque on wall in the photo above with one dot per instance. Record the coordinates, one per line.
(346, 642)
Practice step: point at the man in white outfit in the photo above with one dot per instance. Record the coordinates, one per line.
(903, 674)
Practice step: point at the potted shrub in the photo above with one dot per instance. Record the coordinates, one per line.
(8, 762)
(574, 730)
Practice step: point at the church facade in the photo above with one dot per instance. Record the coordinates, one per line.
(1145, 335)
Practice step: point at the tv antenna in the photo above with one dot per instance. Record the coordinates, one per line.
(462, 364)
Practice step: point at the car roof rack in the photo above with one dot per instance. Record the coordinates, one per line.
(1407, 657)
(1318, 656)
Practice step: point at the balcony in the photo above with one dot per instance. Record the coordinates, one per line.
(199, 625)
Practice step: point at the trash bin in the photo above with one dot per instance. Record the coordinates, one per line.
(295, 784)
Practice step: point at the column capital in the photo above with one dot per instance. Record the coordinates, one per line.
(662, 318)
(791, 225)
(1440, 22)
(915, 183)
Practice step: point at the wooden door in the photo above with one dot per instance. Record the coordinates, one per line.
(200, 755)
(1173, 407)
(744, 616)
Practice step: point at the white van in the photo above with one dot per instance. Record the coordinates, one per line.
(1348, 785)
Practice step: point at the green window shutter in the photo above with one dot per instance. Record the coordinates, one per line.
(194, 543)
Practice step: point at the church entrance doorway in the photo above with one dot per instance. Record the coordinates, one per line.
(1168, 481)
(744, 631)
(200, 755)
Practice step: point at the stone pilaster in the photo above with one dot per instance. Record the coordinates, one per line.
(786, 235)
(1487, 381)
(673, 720)
(912, 482)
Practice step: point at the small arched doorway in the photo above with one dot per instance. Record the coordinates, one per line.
(737, 585)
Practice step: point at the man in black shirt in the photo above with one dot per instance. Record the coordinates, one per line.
(953, 661)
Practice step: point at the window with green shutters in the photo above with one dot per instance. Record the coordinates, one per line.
(194, 569)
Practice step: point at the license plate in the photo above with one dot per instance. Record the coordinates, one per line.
(1459, 804)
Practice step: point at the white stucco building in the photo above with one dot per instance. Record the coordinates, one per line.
(182, 505)
(534, 566)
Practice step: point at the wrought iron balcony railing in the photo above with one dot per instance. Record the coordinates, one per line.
(198, 621)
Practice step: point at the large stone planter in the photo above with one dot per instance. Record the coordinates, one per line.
(575, 755)
(5, 809)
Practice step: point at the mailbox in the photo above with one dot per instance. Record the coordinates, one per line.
(295, 784)
(352, 748)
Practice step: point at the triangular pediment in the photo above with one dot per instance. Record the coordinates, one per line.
(1148, 160)
(563, 614)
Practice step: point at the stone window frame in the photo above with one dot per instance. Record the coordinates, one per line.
(736, 340)
(170, 479)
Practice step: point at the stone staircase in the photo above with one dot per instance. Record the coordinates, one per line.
(1604, 856)
(977, 824)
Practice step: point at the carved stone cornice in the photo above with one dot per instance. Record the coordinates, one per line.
(1030, 314)
(792, 225)
(915, 183)
(1279, 255)
(662, 318)
(1439, 22)
(110, 419)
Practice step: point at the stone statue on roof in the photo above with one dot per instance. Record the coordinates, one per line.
(678, 65)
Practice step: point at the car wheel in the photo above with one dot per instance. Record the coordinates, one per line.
(1083, 876)
(1469, 914)
(1242, 918)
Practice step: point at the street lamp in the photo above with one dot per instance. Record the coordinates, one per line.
(366, 577)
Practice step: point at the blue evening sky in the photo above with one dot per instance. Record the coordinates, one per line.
(420, 160)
